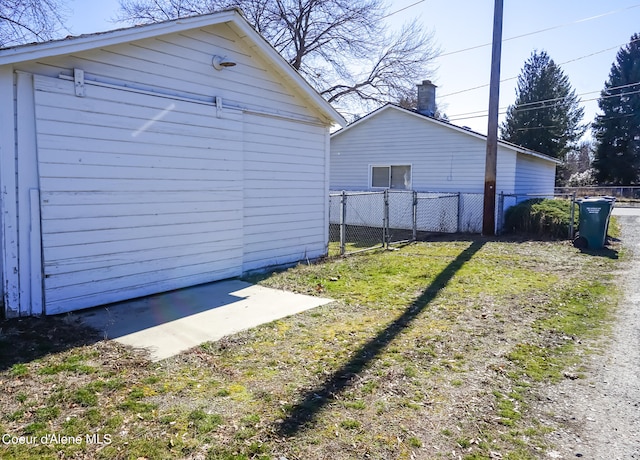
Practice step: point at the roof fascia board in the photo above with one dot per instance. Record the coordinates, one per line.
(535, 154)
(513, 147)
(363, 119)
(87, 42)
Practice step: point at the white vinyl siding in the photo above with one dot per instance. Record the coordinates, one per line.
(181, 64)
(534, 175)
(443, 158)
(284, 212)
(131, 207)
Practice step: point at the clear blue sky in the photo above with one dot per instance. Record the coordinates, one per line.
(574, 34)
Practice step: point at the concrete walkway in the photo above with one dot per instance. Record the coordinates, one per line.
(169, 323)
(618, 211)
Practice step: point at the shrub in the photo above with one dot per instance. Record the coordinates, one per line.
(541, 217)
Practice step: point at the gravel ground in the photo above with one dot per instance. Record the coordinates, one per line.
(600, 414)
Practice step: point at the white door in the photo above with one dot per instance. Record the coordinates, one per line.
(140, 194)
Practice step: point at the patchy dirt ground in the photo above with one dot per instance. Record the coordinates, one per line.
(600, 414)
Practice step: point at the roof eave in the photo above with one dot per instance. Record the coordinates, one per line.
(533, 153)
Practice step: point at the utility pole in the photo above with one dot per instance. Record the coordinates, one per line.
(489, 215)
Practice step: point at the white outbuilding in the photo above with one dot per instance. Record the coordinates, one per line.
(152, 158)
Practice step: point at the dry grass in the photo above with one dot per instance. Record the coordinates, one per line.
(430, 351)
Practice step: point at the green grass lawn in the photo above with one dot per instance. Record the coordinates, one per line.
(433, 350)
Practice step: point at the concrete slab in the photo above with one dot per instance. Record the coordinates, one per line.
(169, 323)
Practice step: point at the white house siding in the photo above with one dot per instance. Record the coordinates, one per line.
(506, 179)
(139, 194)
(441, 158)
(284, 172)
(181, 64)
(534, 175)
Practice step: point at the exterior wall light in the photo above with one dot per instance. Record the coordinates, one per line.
(219, 62)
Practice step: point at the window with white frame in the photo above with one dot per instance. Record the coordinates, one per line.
(396, 177)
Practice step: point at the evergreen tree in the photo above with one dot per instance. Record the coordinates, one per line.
(617, 129)
(546, 116)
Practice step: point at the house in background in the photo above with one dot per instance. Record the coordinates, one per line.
(152, 158)
(399, 149)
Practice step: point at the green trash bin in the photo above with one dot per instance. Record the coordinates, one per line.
(594, 222)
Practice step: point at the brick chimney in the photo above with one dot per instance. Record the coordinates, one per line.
(427, 98)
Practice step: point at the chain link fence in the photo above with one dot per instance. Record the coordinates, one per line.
(359, 221)
(365, 220)
(625, 196)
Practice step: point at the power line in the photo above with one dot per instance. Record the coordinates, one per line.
(542, 30)
(402, 9)
(608, 13)
(473, 88)
(559, 64)
(536, 127)
(600, 118)
(554, 99)
(503, 109)
(558, 99)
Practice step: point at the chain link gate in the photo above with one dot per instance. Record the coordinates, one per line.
(356, 221)
(360, 221)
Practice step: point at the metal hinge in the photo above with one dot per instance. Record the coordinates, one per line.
(218, 106)
(78, 79)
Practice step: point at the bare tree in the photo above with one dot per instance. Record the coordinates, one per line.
(24, 21)
(342, 47)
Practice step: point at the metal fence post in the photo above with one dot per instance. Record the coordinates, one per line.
(343, 220)
(385, 229)
(501, 212)
(415, 216)
(571, 221)
(459, 219)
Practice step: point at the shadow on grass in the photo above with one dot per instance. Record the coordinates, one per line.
(23, 340)
(303, 413)
(604, 252)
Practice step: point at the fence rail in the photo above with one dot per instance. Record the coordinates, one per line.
(359, 221)
(623, 194)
